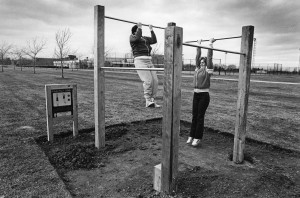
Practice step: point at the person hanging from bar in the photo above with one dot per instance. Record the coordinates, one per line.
(141, 50)
(201, 98)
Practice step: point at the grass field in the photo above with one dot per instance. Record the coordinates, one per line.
(273, 118)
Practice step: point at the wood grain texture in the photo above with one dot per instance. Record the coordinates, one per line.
(171, 112)
(243, 94)
(99, 81)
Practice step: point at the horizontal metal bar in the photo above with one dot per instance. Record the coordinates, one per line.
(132, 22)
(217, 39)
(215, 49)
(133, 68)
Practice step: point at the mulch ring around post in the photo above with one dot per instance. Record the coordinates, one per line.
(124, 167)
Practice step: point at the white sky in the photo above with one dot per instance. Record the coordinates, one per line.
(276, 23)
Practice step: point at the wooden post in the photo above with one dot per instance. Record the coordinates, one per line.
(243, 94)
(75, 111)
(172, 106)
(99, 82)
(49, 113)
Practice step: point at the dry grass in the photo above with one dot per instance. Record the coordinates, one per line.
(273, 117)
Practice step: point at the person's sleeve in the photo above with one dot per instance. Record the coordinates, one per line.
(152, 40)
(137, 36)
(198, 57)
(210, 66)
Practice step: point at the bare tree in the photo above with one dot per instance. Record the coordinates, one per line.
(62, 38)
(155, 53)
(79, 56)
(19, 53)
(155, 50)
(34, 46)
(4, 50)
(107, 51)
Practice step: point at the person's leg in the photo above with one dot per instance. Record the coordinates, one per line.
(154, 80)
(195, 115)
(154, 83)
(146, 77)
(203, 103)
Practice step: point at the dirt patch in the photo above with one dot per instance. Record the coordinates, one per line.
(124, 168)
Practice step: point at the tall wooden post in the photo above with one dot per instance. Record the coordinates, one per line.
(75, 111)
(172, 106)
(243, 93)
(99, 82)
(49, 113)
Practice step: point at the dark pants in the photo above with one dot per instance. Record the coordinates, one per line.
(200, 104)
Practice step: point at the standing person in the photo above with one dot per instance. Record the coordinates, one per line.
(141, 50)
(203, 71)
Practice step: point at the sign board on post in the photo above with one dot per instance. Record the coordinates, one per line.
(61, 104)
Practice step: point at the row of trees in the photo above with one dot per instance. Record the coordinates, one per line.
(36, 45)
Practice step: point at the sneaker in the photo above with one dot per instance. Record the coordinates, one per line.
(157, 105)
(150, 104)
(189, 140)
(196, 142)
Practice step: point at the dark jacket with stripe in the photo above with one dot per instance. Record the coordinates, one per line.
(140, 45)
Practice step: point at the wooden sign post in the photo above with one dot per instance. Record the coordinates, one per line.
(61, 104)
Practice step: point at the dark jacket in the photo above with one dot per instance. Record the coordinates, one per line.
(140, 45)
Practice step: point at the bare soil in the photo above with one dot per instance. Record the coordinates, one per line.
(124, 168)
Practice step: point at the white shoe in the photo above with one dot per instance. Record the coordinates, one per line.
(189, 140)
(150, 103)
(157, 105)
(196, 142)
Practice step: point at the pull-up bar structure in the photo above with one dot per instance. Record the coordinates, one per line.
(132, 22)
(166, 179)
(234, 37)
(133, 68)
(215, 49)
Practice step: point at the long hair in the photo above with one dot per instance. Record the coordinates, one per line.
(204, 59)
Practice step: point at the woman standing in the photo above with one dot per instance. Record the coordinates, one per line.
(204, 69)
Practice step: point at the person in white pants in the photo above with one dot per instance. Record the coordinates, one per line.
(141, 50)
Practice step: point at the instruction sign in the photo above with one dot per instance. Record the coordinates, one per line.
(61, 102)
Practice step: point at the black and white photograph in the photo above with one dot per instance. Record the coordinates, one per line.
(149, 99)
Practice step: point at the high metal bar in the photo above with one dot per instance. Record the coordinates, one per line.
(217, 39)
(221, 50)
(132, 22)
(133, 68)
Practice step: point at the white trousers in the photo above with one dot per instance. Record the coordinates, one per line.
(149, 78)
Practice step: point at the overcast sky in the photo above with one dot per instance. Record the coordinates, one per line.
(276, 24)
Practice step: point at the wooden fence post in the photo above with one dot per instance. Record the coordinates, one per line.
(172, 106)
(243, 93)
(99, 82)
